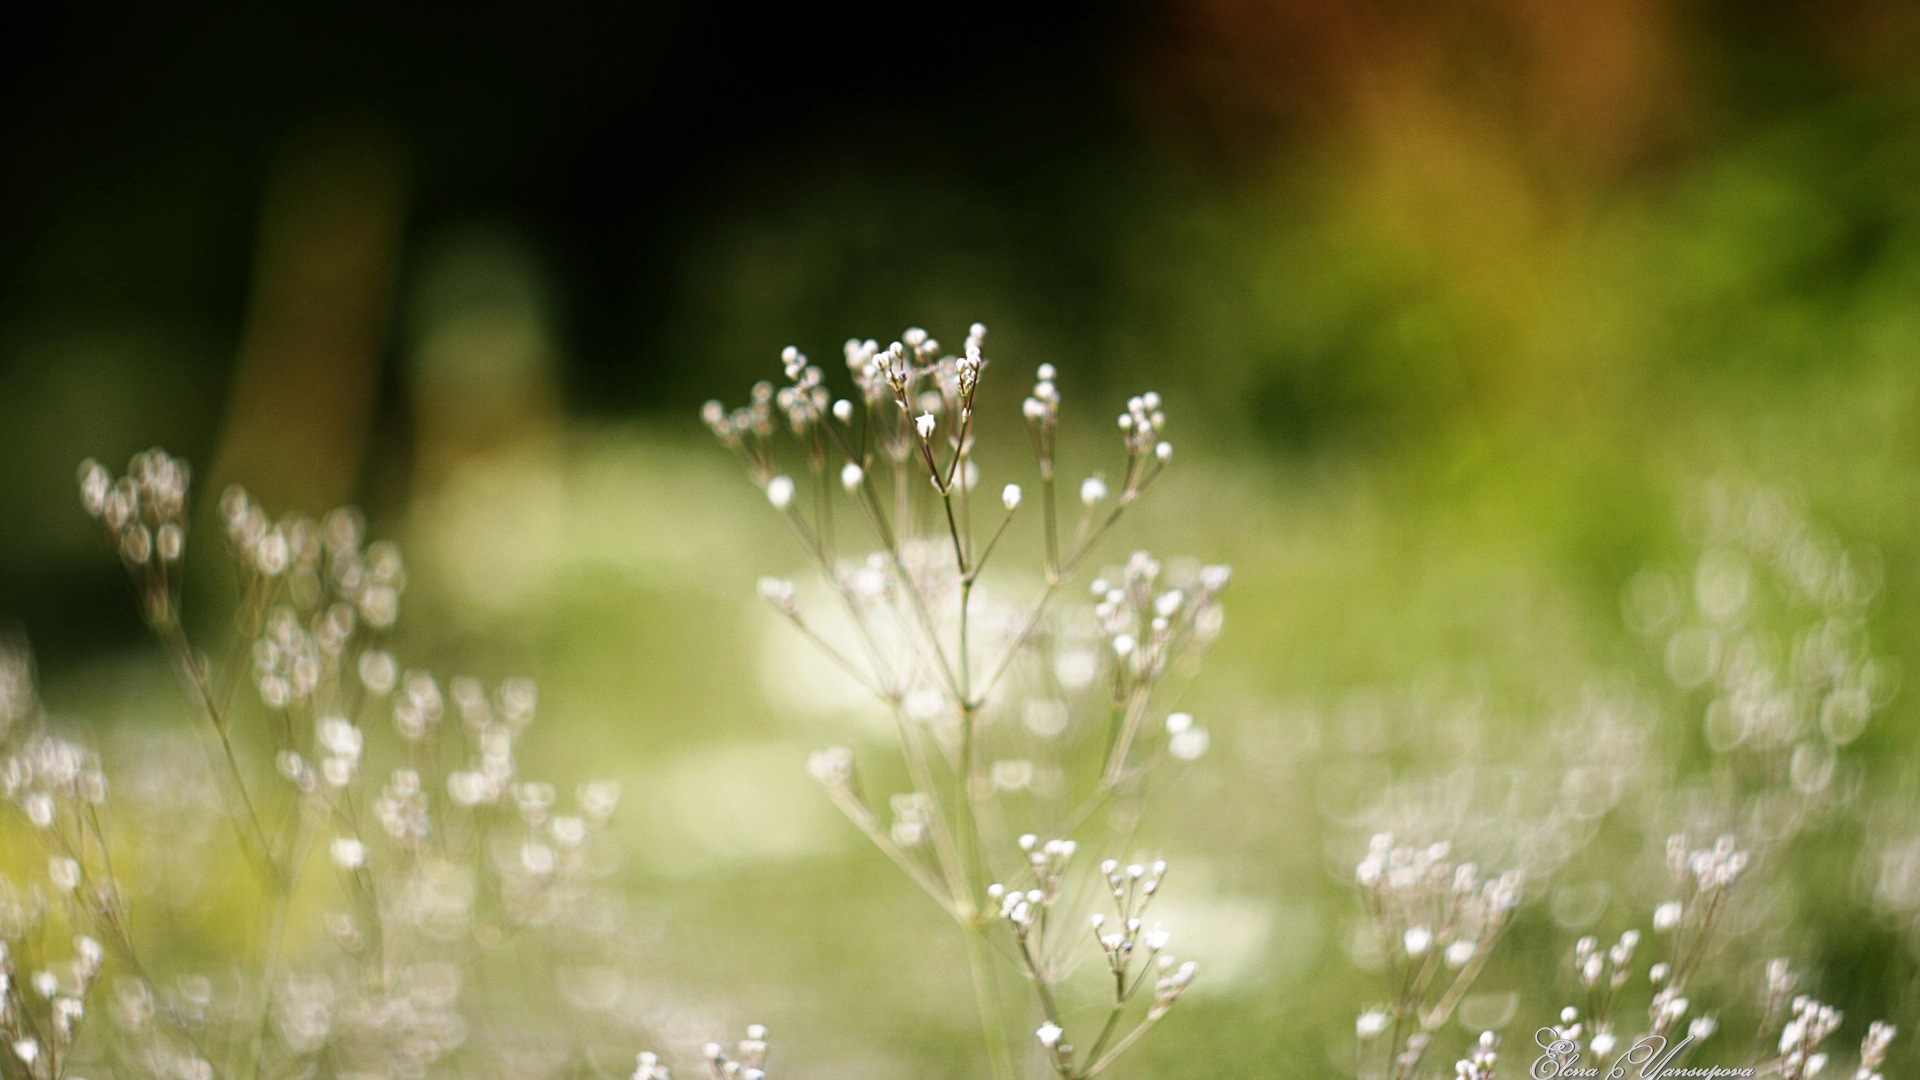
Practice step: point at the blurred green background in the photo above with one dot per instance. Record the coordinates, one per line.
(1454, 307)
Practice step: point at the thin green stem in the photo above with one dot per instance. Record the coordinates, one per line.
(986, 995)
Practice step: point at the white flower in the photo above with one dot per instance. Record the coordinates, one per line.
(780, 492)
(1049, 1034)
(1667, 916)
(843, 410)
(65, 873)
(339, 736)
(778, 591)
(1164, 451)
(1157, 939)
(1418, 940)
(1010, 497)
(924, 425)
(834, 765)
(1189, 745)
(1460, 952)
(39, 807)
(1179, 722)
(1602, 1044)
(851, 476)
(348, 853)
(1371, 1023)
(1092, 490)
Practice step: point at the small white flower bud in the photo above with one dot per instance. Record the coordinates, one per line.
(64, 872)
(924, 425)
(1189, 745)
(1093, 490)
(171, 541)
(1049, 1034)
(851, 476)
(843, 411)
(1010, 497)
(780, 492)
(95, 482)
(1667, 916)
(1164, 451)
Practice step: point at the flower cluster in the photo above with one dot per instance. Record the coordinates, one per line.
(747, 1062)
(1481, 1060)
(144, 518)
(41, 1014)
(1873, 1050)
(1437, 923)
(1811, 1024)
(1603, 975)
(1135, 953)
(978, 681)
(443, 852)
(1704, 877)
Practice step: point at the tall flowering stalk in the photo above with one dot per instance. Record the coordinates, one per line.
(991, 693)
